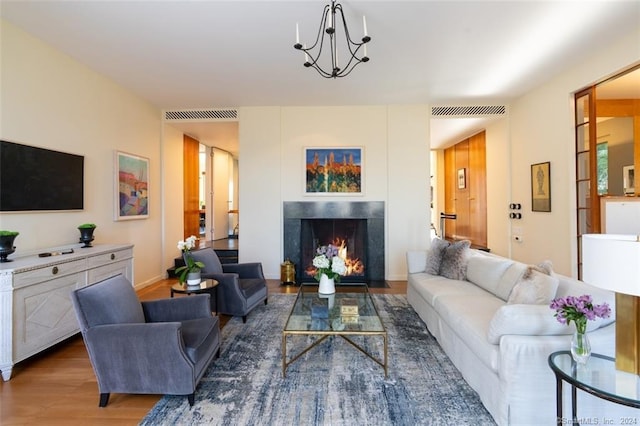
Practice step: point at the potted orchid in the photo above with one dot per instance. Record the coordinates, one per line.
(579, 310)
(329, 268)
(190, 272)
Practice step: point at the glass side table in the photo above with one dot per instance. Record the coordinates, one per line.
(207, 285)
(598, 377)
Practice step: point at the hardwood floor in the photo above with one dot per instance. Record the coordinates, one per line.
(58, 386)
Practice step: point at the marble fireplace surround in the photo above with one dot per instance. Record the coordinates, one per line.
(371, 211)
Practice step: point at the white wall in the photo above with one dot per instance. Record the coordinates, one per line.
(173, 182)
(259, 171)
(221, 174)
(498, 157)
(396, 170)
(49, 100)
(541, 129)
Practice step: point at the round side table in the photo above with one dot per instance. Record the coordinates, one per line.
(599, 378)
(206, 286)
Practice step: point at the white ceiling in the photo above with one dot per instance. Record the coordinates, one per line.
(227, 54)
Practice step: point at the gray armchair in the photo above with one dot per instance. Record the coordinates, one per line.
(152, 347)
(242, 285)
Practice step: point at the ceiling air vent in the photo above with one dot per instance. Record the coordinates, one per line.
(201, 114)
(468, 111)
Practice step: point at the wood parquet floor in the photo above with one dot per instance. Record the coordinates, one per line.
(58, 386)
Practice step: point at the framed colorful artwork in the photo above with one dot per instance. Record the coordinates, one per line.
(541, 187)
(333, 171)
(131, 186)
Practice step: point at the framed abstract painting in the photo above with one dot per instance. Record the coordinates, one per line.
(131, 186)
(333, 171)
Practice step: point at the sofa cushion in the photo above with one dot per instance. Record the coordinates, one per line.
(416, 261)
(430, 287)
(454, 261)
(469, 317)
(486, 271)
(199, 336)
(530, 320)
(534, 288)
(435, 256)
(509, 279)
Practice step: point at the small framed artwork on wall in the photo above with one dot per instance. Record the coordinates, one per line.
(541, 187)
(131, 186)
(462, 178)
(628, 180)
(333, 171)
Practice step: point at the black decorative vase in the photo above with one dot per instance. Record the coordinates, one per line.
(6, 247)
(86, 236)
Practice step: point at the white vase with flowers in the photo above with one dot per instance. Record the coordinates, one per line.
(329, 268)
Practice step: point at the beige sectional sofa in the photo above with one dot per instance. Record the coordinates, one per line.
(500, 341)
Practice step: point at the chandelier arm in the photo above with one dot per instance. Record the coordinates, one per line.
(350, 41)
(319, 36)
(322, 72)
(348, 71)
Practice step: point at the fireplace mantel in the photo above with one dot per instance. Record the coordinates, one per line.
(372, 211)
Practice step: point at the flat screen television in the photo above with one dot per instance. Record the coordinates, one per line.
(37, 179)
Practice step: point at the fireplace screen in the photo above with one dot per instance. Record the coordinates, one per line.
(348, 235)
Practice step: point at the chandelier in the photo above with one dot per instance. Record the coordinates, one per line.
(327, 34)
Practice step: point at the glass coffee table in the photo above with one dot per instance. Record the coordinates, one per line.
(349, 312)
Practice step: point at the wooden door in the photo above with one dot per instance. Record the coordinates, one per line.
(449, 192)
(191, 170)
(466, 190)
(462, 191)
(477, 179)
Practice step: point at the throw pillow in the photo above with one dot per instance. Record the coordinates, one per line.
(434, 256)
(534, 288)
(454, 261)
(546, 267)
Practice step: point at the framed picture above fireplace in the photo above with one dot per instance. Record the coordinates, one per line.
(333, 170)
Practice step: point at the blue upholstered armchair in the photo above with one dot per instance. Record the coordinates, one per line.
(152, 347)
(242, 285)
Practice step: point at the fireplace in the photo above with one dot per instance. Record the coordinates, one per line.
(348, 235)
(355, 227)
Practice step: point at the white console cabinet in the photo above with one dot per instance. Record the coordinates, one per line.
(35, 306)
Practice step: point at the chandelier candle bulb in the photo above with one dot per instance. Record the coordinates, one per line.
(297, 34)
(364, 26)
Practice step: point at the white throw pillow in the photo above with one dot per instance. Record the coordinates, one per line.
(534, 288)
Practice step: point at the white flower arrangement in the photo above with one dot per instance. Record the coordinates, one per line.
(185, 246)
(329, 263)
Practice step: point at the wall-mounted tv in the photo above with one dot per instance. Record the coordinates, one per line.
(37, 179)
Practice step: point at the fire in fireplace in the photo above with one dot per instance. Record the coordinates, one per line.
(348, 235)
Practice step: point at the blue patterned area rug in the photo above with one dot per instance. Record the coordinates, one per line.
(332, 384)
